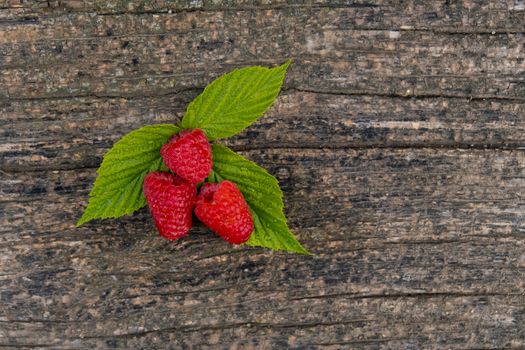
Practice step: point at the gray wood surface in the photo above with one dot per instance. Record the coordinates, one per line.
(398, 141)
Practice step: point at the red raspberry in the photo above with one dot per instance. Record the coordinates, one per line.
(171, 201)
(188, 154)
(222, 208)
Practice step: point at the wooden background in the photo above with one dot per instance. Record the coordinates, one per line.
(398, 140)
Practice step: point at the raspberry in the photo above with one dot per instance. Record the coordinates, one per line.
(222, 208)
(188, 154)
(171, 201)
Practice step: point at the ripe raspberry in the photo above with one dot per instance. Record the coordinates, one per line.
(222, 208)
(171, 201)
(188, 154)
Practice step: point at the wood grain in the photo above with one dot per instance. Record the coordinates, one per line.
(398, 142)
(445, 247)
(35, 131)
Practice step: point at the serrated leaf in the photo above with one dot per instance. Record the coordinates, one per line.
(118, 188)
(264, 196)
(234, 101)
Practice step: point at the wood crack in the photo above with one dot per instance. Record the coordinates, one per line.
(100, 96)
(411, 96)
(226, 326)
(425, 295)
(465, 97)
(95, 163)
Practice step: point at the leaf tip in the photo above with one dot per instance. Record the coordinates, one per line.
(284, 67)
(287, 63)
(81, 221)
(303, 251)
(298, 248)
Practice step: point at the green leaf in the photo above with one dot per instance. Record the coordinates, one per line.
(234, 101)
(118, 188)
(264, 196)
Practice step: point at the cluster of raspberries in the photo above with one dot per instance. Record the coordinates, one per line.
(172, 198)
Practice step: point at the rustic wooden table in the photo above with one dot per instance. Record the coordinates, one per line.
(398, 140)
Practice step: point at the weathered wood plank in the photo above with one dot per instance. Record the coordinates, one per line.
(357, 188)
(121, 58)
(75, 133)
(468, 16)
(130, 55)
(378, 142)
(402, 315)
(421, 247)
